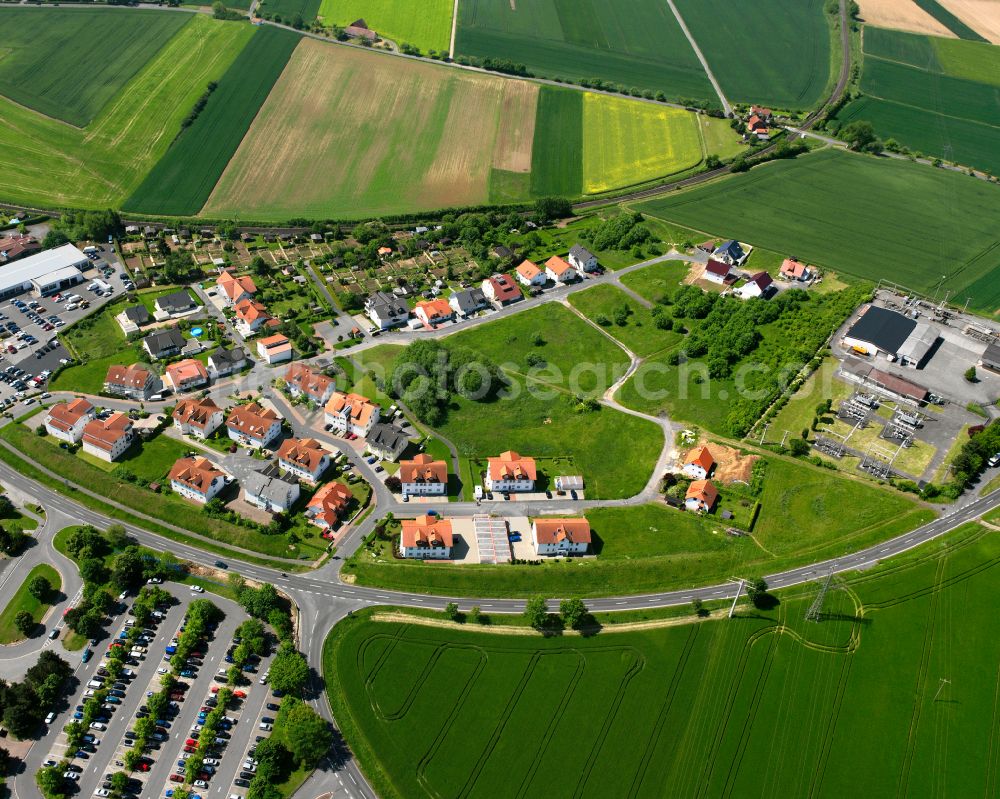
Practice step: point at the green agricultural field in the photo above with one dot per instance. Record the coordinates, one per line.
(184, 178)
(949, 20)
(636, 330)
(287, 10)
(425, 24)
(43, 50)
(47, 163)
(790, 71)
(635, 45)
(24, 600)
(557, 160)
(861, 216)
(717, 708)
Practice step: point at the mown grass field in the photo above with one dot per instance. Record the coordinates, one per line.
(861, 216)
(425, 24)
(47, 163)
(636, 45)
(639, 333)
(24, 600)
(442, 711)
(775, 52)
(43, 51)
(657, 280)
(183, 179)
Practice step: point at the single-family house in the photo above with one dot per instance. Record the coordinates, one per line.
(699, 463)
(434, 312)
(17, 245)
(529, 274)
(270, 491)
(328, 505)
(561, 536)
(163, 343)
(730, 252)
(351, 413)
(274, 349)
(468, 301)
(132, 382)
(250, 316)
(501, 289)
(386, 441)
(109, 438)
(222, 362)
(582, 259)
(716, 271)
(423, 475)
(132, 318)
(196, 479)
(253, 425)
(386, 310)
(558, 271)
(765, 114)
(504, 254)
(756, 286)
(66, 420)
(176, 303)
(756, 126)
(792, 269)
(186, 375)
(510, 472)
(302, 381)
(426, 537)
(701, 496)
(235, 289)
(305, 458)
(197, 417)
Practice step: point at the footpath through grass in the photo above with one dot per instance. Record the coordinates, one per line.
(24, 600)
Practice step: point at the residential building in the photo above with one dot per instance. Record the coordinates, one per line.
(328, 505)
(235, 289)
(582, 259)
(253, 425)
(386, 441)
(504, 253)
(303, 381)
(501, 289)
(529, 274)
(132, 382)
(197, 479)
(17, 245)
(268, 490)
(561, 536)
(510, 472)
(385, 310)
(716, 271)
(177, 303)
(558, 271)
(701, 496)
(163, 343)
(44, 273)
(66, 420)
(109, 438)
(796, 270)
(423, 475)
(305, 458)
(224, 362)
(730, 252)
(275, 349)
(756, 286)
(132, 318)
(351, 413)
(468, 301)
(426, 537)
(185, 375)
(197, 417)
(250, 316)
(359, 30)
(756, 126)
(699, 464)
(434, 312)
(569, 482)
(765, 114)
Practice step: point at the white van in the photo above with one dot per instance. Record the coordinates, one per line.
(90, 250)
(95, 684)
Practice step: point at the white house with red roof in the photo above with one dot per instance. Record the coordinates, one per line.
(434, 312)
(501, 289)
(423, 476)
(235, 289)
(756, 286)
(561, 536)
(698, 464)
(559, 271)
(66, 420)
(351, 413)
(303, 381)
(305, 458)
(510, 472)
(197, 417)
(716, 271)
(529, 274)
(426, 537)
(196, 479)
(253, 425)
(109, 438)
(792, 269)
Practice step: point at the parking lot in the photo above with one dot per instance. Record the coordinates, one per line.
(194, 695)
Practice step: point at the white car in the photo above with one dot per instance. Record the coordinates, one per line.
(248, 766)
(163, 670)
(72, 775)
(96, 725)
(200, 784)
(210, 761)
(264, 726)
(50, 718)
(102, 792)
(197, 589)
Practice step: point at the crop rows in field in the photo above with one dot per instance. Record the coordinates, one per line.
(862, 216)
(182, 180)
(59, 62)
(425, 24)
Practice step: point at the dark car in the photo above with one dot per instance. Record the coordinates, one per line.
(272, 706)
(246, 775)
(220, 565)
(242, 783)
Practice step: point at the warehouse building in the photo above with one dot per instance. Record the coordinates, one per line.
(879, 331)
(43, 274)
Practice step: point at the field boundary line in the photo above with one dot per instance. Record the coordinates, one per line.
(454, 30)
(726, 107)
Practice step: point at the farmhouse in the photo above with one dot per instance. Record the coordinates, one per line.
(45, 273)
(328, 504)
(196, 479)
(530, 275)
(434, 312)
(198, 418)
(701, 496)
(163, 343)
(224, 362)
(351, 413)
(467, 301)
(561, 536)
(558, 271)
(426, 537)
(268, 490)
(66, 420)
(756, 286)
(132, 318)
(582, 259)
(385, 310)
(253, 425)
(274, 349)
(423, 475)
(716, 271)
(186, 375)
(880, 331)
(699, 464)
(758, 127)
(305, 458)
(251, 315)
(305, 382)
(501, 289)
(235, 289)
(386, 441)
(359, 30)
(132, 382)
(795, 270)
(178, 303)
(730, 252)
(17, 245)
(510, 472)
(109, 438)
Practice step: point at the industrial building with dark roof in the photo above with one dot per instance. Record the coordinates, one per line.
(880, 329)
